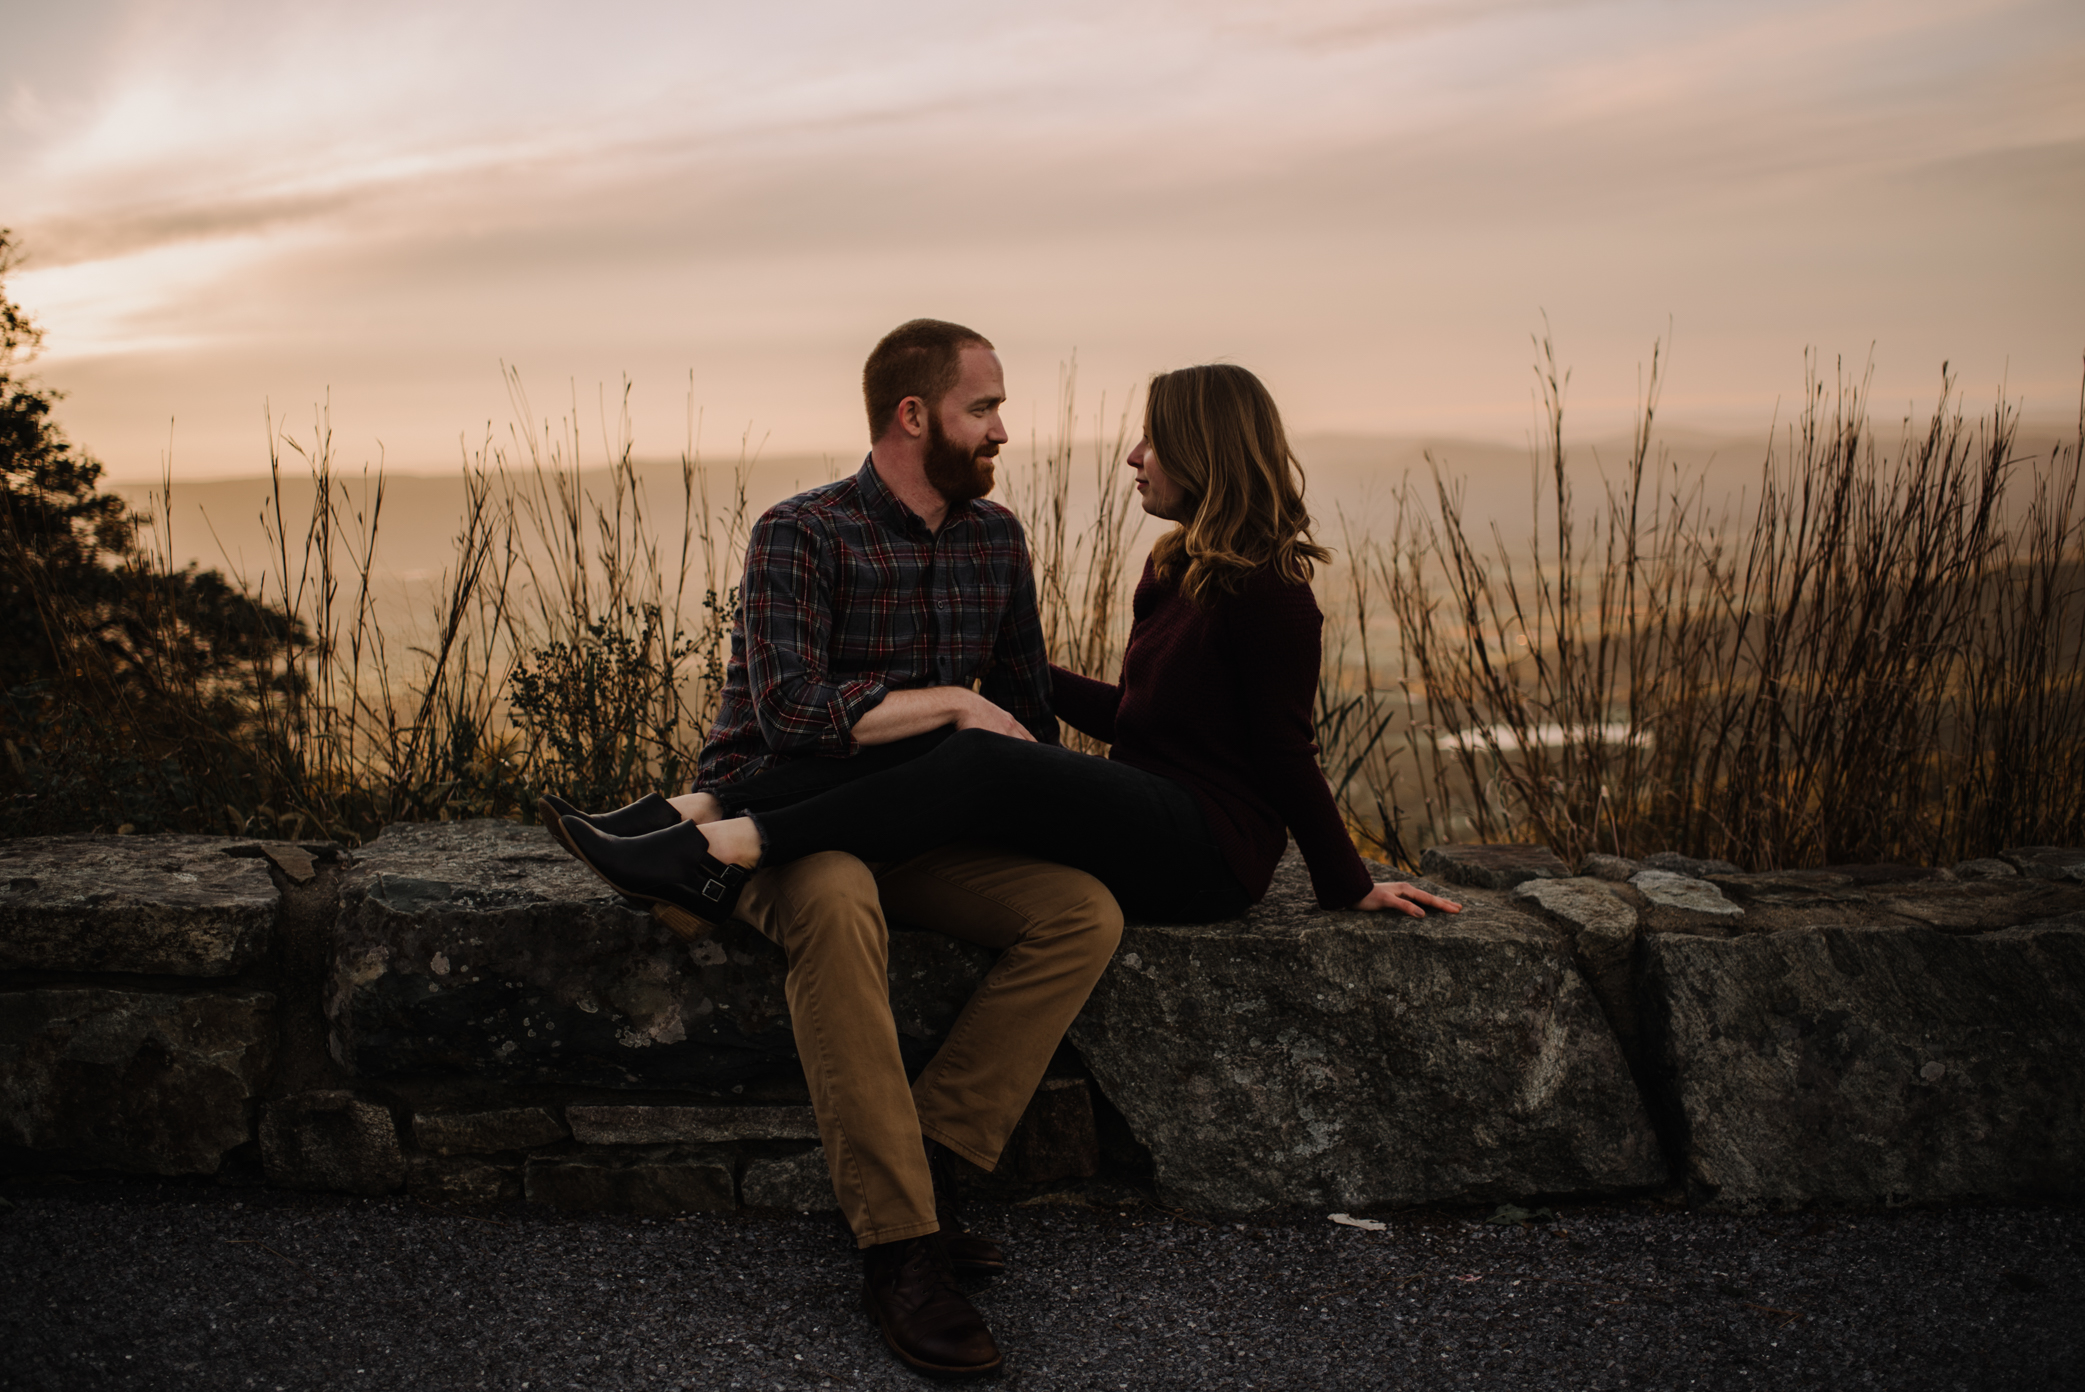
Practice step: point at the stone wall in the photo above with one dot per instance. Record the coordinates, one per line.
(458, 1011)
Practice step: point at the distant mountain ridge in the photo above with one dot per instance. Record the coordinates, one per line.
(216, 522)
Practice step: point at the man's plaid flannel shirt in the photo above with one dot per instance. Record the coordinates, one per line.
(848, 596)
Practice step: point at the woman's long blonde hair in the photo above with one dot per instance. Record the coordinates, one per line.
(1218, 435)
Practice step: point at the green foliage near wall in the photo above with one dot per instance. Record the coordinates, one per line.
(601, 709)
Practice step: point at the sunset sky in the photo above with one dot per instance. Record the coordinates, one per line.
(224, 204)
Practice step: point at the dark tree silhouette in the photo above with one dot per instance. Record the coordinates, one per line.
(113, 665)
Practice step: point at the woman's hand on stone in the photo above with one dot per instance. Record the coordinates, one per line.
(1406, 899)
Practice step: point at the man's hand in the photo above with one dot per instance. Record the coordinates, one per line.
(1406, 898)
(979, 714)
(902, 714)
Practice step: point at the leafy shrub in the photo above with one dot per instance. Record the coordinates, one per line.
(602, 711)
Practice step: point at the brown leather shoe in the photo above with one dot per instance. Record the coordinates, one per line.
(972, 1254)
(910, 1291)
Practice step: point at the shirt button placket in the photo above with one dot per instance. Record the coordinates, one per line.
(944, 671)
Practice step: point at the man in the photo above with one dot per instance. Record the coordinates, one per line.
(877, 611)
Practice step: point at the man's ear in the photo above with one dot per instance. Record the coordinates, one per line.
(911, 416)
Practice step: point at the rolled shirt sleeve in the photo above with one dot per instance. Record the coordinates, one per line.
(849, 596)
(788, 608)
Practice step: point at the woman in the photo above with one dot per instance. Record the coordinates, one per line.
(1212, 764)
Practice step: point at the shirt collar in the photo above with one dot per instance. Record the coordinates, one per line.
(883, 505)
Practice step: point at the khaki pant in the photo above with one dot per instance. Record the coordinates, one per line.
(1055, 929)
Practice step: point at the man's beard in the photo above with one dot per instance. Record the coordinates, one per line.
(957, 474)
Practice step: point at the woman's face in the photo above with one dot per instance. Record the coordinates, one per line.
(1162, 497)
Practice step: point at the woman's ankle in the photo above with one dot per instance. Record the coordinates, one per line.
(735, 841)
(699, 808)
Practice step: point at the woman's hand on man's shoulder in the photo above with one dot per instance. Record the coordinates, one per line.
(1406, 899)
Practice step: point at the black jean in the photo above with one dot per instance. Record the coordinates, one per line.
(1142, 836)
(794, 780)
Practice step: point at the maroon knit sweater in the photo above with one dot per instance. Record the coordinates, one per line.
(1218, 699)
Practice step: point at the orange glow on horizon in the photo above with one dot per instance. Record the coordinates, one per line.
(1371, 203)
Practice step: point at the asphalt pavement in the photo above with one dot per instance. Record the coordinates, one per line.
(154, 1285)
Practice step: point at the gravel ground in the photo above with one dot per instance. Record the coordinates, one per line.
(164, 1286)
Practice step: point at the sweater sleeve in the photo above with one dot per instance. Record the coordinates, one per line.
(1274, 636)
(1085, 704)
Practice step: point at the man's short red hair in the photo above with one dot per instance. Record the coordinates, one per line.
(922, 358)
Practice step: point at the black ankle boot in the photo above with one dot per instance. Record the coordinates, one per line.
(649, 813)
(690, 890)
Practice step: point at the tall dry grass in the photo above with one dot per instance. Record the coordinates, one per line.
(577, 640)
(630, 621)
(1883, 660)
(1881, 657)
(363, 725)
(1082, 556)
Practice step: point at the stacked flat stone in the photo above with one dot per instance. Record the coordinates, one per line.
(139, 1011)
(461, 1011)
(457, 1010)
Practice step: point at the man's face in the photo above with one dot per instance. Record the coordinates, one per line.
(964, 432)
